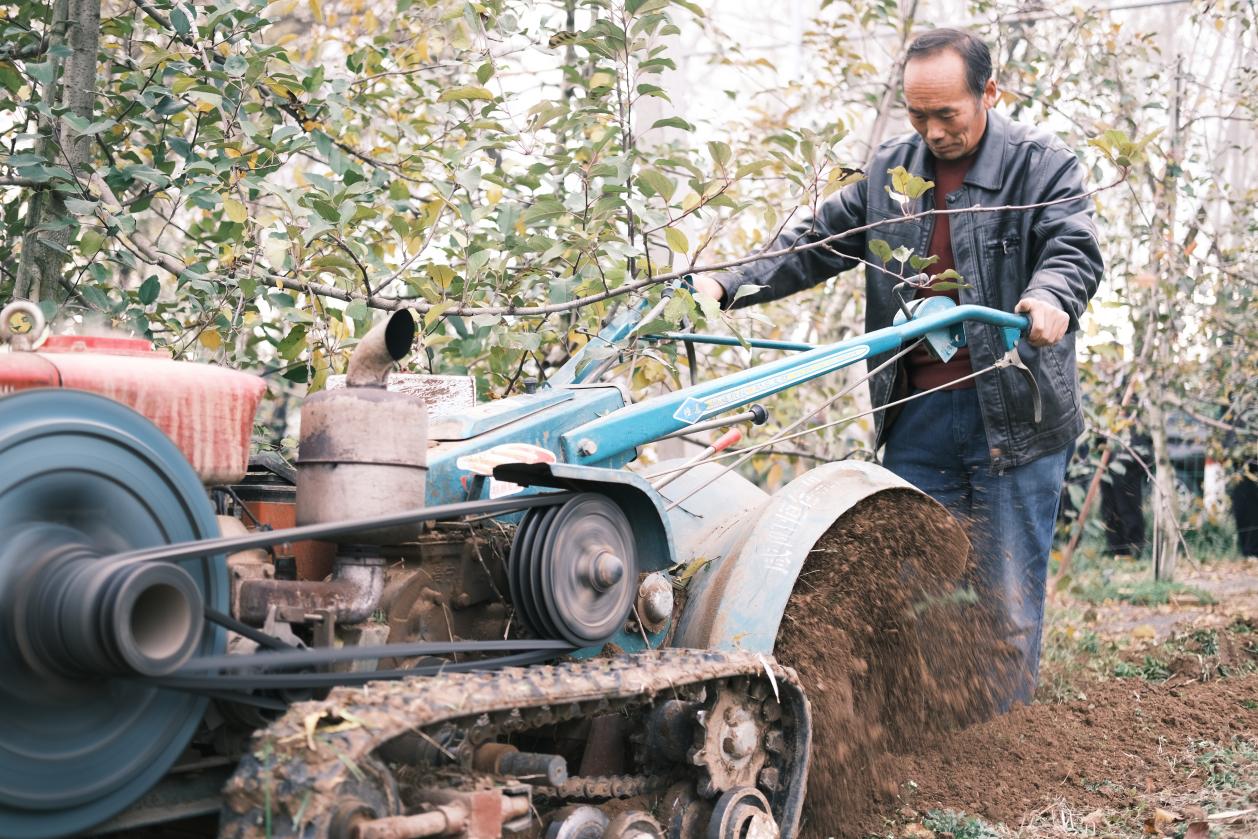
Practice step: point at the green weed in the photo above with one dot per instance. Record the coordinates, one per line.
(1234, 766)
(959, 825)
(1138, 593)
(1151, 670)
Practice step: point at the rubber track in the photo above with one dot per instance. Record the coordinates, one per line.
(303, 763)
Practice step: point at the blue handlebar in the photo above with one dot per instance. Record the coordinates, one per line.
(610, 437)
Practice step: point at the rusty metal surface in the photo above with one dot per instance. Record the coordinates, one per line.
(730, 741)
(305, 761)
(352, 594)
(444, 395)
(603, 787)
(363, 450)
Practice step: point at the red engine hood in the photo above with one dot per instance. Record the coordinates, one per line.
(206, 410)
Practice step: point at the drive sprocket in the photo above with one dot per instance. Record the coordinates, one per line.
(732, 735)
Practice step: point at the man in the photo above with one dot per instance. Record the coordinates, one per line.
(973, 445)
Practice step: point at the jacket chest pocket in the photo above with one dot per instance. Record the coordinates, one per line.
(1003, 265)
(1004, 245)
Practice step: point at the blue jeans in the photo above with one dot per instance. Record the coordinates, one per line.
(939, 445)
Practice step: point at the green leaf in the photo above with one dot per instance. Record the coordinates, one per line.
(235, 66)
(181, 20)
(673, 122)
(485, 72)
(293, 343)
(720, 152)
(357, 310)
(658, 183)
(90, 242)
(149, 290)
(899, 179)
(676, 240)
(676, 309)
(906, 184)
(920, 262)
(465, 92)
(948, 286)
(477, 261)
(880, 249)
(751, 168)
(950, 274)
(711, 308)
(543, 209)
(43, 71)
(95, 297)
(80, 207)
(645, 89)
(743, 290)
(235, 210)
(902, 254)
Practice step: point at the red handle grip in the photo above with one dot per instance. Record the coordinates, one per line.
(727, 439)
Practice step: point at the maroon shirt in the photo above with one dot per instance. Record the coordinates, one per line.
(924, 370)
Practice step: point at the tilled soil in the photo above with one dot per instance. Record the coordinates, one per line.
(1128, 736)
(886, 648)
(899, 669)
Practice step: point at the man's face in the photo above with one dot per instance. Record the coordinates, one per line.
(950, 118)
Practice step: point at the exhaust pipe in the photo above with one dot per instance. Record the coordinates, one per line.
(352, 594)
(384, 346)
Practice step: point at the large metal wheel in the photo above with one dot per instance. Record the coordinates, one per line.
(82, 477)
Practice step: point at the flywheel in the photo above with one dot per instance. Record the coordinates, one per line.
(574, 570)
(81, 478)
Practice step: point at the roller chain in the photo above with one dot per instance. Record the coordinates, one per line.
(603, 787)
(305, 763)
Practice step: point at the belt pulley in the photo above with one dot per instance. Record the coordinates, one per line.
(573, 570)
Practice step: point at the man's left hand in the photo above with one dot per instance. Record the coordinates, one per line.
(1048, 323)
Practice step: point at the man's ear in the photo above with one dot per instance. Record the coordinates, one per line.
(989, 94)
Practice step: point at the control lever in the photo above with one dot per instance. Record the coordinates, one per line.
(1014, 360)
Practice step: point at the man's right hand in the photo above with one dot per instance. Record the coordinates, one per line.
(706, 285)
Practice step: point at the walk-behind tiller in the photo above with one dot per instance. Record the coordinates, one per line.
(446, 619)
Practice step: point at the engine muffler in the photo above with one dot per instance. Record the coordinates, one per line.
(364, 449)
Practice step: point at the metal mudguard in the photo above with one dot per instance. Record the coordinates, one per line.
(736, 601)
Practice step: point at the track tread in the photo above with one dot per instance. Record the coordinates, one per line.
(297, 764)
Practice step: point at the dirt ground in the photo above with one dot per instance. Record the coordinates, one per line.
(1145, 724)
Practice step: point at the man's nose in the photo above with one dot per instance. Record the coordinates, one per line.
(935, 131)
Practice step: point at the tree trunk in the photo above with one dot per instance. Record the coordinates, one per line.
(49, 226)
(1165, 499)
(893, 85)
(1166, 524)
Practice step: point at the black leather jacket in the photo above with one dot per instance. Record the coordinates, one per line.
(1050, 253)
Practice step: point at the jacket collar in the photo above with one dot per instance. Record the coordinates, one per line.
(989, 166)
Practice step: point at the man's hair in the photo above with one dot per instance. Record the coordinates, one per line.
(971, 48)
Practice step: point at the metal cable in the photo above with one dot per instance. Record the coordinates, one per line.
(779, 437)
(782, 438)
